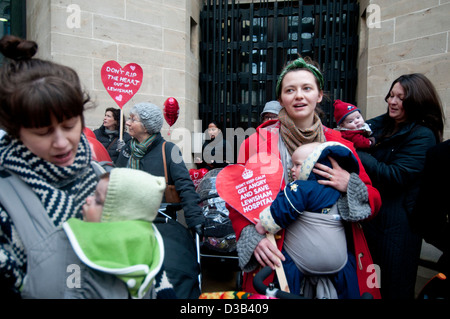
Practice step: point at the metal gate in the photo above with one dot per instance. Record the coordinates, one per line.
(244, 47)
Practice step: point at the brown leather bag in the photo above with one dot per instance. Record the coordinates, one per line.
(170, 193)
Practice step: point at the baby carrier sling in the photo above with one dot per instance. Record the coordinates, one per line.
(54, 271)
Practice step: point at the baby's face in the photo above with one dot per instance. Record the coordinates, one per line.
(298, 157)
(354, 121)
(92, 210)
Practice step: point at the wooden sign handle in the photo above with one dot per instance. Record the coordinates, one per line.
(279, 270)
(121, 125)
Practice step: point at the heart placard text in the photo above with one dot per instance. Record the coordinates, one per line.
(121, 83)
(251, 187)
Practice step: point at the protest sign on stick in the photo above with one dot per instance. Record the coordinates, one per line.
(121, 83)
(252, 187)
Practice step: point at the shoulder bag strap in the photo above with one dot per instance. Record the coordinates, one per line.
(24, 208)
(110, 144)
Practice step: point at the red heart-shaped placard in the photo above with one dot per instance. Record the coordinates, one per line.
(197, 175)
(121, 83)
(251, 188)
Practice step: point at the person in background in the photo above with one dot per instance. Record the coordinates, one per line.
(431, 212)
(214, 149)
(352, 126)
(108, 133)
(413, 123)
(41, 110)
(270, 111)
(144, 152)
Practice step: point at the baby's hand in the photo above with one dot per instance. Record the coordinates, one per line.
(259, 227)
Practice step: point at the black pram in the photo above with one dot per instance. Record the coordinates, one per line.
(218, 244)
(219, 235)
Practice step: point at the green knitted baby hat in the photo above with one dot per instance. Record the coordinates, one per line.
(132, 195)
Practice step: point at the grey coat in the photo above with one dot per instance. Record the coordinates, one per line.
(178, 175)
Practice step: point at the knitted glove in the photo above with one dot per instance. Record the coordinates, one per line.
(245, 247)
(120, 145)
(354, 205)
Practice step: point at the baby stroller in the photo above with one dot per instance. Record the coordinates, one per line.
(219, 240)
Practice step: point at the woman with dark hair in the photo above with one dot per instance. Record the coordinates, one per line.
(214, 149)
(108, 134)
(413, 123)
(41, 110)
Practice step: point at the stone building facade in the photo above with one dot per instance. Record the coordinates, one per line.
(162, 36)
(159, 35)
(411, 36)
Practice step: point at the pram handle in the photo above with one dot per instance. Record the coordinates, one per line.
(210, 196)
(169, 210)
(261, 288)
(171, 206)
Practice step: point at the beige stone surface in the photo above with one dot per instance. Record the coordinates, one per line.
(163, 37)
(156, 34)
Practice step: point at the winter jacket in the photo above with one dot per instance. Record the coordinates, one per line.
(306, 194)
(58, 189)
(132, 250)
(109, 141)
(266, 139)
(178, 175)
(430, 214)
(360, 138)
(395, 165)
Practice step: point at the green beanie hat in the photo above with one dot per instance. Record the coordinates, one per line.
(132, 195)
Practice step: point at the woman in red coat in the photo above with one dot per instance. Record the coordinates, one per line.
(299, 91)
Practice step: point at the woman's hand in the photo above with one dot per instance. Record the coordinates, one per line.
(267, 254)
(335, 177)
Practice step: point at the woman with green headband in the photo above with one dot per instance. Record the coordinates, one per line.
(300, 90)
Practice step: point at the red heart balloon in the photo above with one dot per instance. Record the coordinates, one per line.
(171, 110)
(121, 83)
(197, 175)
(251, 188)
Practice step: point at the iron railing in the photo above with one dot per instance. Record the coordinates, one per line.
(244, 47)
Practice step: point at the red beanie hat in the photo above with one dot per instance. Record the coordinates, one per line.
(342, 110)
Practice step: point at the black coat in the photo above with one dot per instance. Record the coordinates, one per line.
(432, 210)
(109, 141)
(177, 172)
(215, 152)
(395, 165)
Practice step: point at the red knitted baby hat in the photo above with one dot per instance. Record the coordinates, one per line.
(342, 110)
